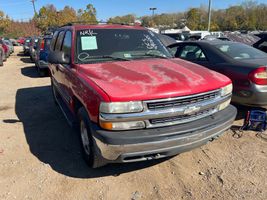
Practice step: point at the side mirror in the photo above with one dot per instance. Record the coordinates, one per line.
(58, 58)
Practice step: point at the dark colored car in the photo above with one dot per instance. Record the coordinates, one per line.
(262, 43)
(33, 44)
(26, 46)
(42, 51)
(245, 65)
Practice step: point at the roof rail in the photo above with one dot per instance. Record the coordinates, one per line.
(97, 23)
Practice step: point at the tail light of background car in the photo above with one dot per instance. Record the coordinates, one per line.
(5, 47)
(42, 45)
(259, 76)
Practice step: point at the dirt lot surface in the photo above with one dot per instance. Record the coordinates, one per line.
(40, 155)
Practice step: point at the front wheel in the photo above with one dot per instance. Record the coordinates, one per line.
(91, 158)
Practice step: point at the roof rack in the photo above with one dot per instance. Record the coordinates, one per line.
(96, 23)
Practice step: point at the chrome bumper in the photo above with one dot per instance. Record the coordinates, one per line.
(139, 145)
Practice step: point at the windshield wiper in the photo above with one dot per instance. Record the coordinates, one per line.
(108, 56)
(151, 55)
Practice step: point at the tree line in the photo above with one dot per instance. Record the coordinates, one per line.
(250, 15)
(47, 17)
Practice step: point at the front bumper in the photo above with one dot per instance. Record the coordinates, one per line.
(147, 144)
(255, 95)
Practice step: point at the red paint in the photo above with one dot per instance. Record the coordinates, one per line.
(134, 80)
(152, 79)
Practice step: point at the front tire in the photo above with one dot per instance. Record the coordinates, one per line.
(87, 142)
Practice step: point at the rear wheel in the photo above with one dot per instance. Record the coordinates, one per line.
(91, 158)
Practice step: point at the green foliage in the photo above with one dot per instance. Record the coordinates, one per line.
(48, 16)
(88, 15)
(126, 19)
(4, 22)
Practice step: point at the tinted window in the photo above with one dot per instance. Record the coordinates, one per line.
(59, 41)
(67, 43)
(192, 53)
(97, 45)
(53, 42)
(239, 51)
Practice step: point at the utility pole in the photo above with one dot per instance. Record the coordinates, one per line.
(33, 4)
(210, 2)
(153, 10)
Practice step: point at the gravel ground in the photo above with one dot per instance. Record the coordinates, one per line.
(40, 155)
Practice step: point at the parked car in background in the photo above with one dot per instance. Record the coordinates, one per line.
(14, 42)
(262, 43)
(26, 46)
(6, 49)
(179, 37)
(131, 100)
(42, 51)
(21, 40)
(32, 46)
(245, 65)
(2, 55)
(10, 45)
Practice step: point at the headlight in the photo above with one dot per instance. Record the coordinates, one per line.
(227, 90)
(121, 107)
(122, 125)
(224, 105)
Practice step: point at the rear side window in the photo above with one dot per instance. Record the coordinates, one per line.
(54, 40)
(240, 51)
(59, 41)
(192, 53)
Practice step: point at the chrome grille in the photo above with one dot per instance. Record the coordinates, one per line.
(182, 101)
(182, 117)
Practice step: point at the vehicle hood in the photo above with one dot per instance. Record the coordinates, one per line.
(152, 79)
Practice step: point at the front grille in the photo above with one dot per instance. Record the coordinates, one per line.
(182, 117)
(183, 101)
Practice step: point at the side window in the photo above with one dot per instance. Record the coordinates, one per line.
(59, 41)
(54, 40)
(192, 53)
(174, 50)
(66, 47)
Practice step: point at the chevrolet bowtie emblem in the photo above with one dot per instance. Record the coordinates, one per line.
(191, 109)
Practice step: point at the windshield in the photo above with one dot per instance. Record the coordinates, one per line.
(98, 45)
(239, 51)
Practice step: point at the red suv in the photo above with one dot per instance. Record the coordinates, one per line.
(130, 99)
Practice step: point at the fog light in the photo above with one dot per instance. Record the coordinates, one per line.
(122, 125)
(224, 105)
